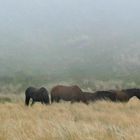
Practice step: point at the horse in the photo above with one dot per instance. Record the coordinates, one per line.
(99, 95)
(37, 95)
(125, 95)
(67, 93)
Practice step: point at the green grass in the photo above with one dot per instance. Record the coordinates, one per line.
(5, 99)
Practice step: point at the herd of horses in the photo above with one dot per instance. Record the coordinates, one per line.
(75, 94)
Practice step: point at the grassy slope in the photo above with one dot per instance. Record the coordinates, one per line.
(97, 121)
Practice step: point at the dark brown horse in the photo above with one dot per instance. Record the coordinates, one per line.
(67, 93)
(99, 95)
(113, 95)
(37, 95)
(126, 94)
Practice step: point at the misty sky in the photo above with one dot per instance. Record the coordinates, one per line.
(39, 22)
(42, 31)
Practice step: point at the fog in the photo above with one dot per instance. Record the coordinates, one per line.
(70, 39)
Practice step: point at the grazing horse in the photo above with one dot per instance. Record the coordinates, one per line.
(67, 93)
(99, 95)
(37, 95)
(113, 95)
(125, 94)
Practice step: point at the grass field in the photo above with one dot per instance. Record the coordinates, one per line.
(64, 121)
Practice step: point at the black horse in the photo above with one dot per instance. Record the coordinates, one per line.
(37, 95)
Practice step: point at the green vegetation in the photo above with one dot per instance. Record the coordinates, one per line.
(5, 99)
(85, 79)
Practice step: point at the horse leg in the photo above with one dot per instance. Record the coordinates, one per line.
(57, 99)
(27, 99)
(74, 100)
(86, 102)
(32, 102)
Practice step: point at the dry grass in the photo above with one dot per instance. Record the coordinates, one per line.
(64, 121)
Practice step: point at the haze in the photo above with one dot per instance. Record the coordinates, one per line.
(84, 38)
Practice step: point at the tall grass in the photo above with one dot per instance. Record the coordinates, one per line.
(64, 121)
